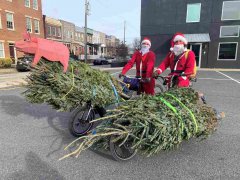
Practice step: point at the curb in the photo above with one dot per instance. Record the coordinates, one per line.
(8, 71)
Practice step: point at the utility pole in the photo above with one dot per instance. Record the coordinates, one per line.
(85, 30)
(124, 33)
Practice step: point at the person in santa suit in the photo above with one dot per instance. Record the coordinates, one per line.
(144, 60)
(180, 60)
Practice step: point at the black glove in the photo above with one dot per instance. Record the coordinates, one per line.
(120, 75)
(145, 80)
(155, 74)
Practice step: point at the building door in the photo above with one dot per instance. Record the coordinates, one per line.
(197, 49)
(12, 52)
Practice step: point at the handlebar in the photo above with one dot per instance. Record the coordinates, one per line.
(165, 77)
(131, 77)
(142, 80)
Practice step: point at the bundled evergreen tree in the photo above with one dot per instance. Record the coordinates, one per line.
(64, 91)
(153, 123)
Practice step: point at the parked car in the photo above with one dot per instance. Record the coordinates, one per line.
(101, 61)
(23, 63)
(128, 57)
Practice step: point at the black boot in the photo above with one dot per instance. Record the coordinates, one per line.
(203, 99)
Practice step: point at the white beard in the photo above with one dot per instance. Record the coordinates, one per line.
(178, 49)
(145, 50)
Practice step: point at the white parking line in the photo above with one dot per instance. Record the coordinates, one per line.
(215, 79)
(116, 73)
(229, 77)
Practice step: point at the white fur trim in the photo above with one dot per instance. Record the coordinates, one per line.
(146, 41)
(159, 70)
(184, 77)
(185, 49)
(180, 38)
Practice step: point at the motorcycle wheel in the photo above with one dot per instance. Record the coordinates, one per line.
(159, 89)
(119, 151)
(80, 122)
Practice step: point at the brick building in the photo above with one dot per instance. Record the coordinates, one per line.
(15, 18)
(52, 29)
(79, 41)
(68, 31)
(111, 43)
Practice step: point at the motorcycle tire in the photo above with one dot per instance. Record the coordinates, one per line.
(80, 122)
(119, 151)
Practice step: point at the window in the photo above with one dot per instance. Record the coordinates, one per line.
(27, 3)
(2, 55)
(28, 24)
(36, 26)
(35, 4)
(68, 34)
(54, 33)
(59, 32)
(229, 31)
(227, 51)
(193, 12)
(10, 23)
(49, 30)
(0, 22)
(230, 10)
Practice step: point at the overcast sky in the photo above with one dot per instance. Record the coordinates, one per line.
(105, 15)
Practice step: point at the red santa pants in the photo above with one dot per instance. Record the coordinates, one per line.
(148, 88)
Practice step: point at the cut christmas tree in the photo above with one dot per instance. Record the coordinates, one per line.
(64, 91)
(153, 123)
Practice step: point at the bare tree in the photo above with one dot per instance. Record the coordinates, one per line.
(122, 51)
(136, 43)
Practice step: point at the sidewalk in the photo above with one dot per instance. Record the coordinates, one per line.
(12, 78)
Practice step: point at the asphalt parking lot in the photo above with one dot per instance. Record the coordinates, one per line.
(221, 87)
(33, 137)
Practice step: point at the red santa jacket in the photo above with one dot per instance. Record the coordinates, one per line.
(184, 64)
(144, 64)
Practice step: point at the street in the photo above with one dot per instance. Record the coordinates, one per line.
(33, 137)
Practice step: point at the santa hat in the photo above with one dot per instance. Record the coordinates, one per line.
(178, 37)
(147, 41)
